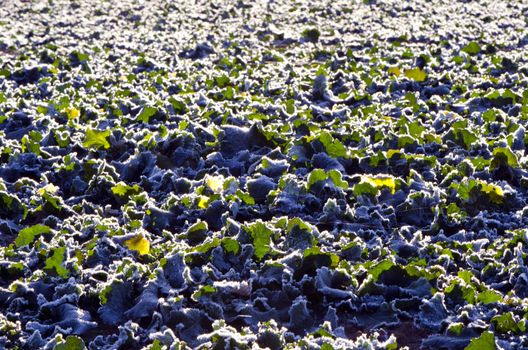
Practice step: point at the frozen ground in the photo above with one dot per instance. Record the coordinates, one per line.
(263, 174)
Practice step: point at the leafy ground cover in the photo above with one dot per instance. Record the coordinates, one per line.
(263, 174)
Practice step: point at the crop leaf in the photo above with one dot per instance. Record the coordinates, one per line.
(316, 251)
(261, 235)
(334, 147)
(505, 323)
(486, 341)
(416, 74)
(203, 291)
(371, 185)
(456, 328)
(503, 156)
(231, 245)
(139, 244)
(96, 139)
(472, 48)
(71, 343)
(494, 192)
(245, 197)
(121, 189)
(146, 113)
(28, 234)
(73, 113)
(489, 296)
(380, 267)
(207, 245)
(468, 187)
(315, 176)
(54, 262)
(320, 175)
(337, 178)
(394, 71)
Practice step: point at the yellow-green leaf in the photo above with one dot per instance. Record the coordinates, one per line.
(494, 192)
(372, 185)
(73, 113)
(415, 74)
(139, 244)
(96, 139)
(394, 71)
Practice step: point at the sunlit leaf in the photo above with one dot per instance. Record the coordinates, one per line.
(139, 244)
(96, 139)
(415, 74)
(28, 234)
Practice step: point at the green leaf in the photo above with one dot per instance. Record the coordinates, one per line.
(380, 267)
(334, 259)
(178, 106)
(486, 341)
(299, 223)
(455, 328)
(207, 245)
(229, 93)
(203, 291)
(505, 323)
(245, 197)
(145, 114)
(468, 188)
(365, 187)
(231, 245)
(54, 262)
(394, 71)
(494, 192)
(28, 234)
(222, 80)
(261, 235)
(122, 189)
(467, 137)
(489, 296)
(320, 175)
(315, 176)
(472, 48)
(31, 142)
(337, 178)
(200, 226)
(334, 147)
(71, 343)
(96, 139)
(503, 156)
(290, 106)
(465, 275)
